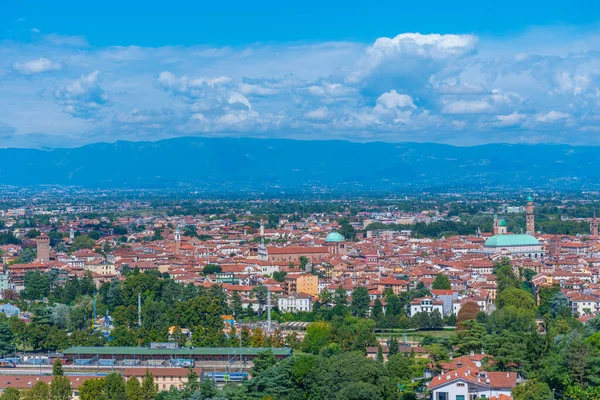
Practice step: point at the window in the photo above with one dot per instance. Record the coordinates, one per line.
(442, 396)
(460, 397)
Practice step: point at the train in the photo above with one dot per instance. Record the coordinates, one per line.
(226, 376)
(4, 363)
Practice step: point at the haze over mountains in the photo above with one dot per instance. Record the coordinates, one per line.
(243, 164)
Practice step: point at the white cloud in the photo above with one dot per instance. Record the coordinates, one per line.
(512, 119)
(319, 114)
(191, 87)
(82, 98)
(249, 90)
(238, 98)
(38, 66)
(35, 30)
(395, 100)
(468, 107)
(551, 117)
(66, 40)
(411, 54)
(334, 90)
(456, 87)
(408, 87)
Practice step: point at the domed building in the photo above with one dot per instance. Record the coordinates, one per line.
(512, 244)
(334, 237)
(335, 243)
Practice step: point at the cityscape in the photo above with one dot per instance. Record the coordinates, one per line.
(300, 200)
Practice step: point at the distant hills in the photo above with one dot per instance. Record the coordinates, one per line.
(242, 164)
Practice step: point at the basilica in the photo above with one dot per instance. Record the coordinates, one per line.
(505, 243)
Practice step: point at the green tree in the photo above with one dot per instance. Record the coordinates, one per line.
(236, 304)
(400, 367)
(394, 347)
(82, 242)
(379, 353)
(317, 336)
(260, 293)
(37, 285)
(435, 320)
(149, 389)
(532, 390)
(60, 388)
(514, 297)
(91, 389)
(192, 385)
(57, 368)
(263, 360)
(560, 305)
(208, 389)
(39, 391)
(114, 387)
(132, 389)
(394, 307)
(11, 393)
(377, 309)
(210, 269)
(279, 276)
(7, 339)
(441, 282)
(360, 301)
(505, 278)
(303, 262)
(471, 339)
(33, 233)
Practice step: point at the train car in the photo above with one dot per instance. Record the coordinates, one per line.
(7, 364)
(226, 376)
(182, 362)
(37, 360)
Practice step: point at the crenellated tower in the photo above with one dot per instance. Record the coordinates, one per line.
(529, 218)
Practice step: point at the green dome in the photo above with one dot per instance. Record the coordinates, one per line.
(502, 222)
(529, 199)
(511, 240)
(334, 237)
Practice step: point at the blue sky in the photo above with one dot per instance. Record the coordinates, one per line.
(463, 72)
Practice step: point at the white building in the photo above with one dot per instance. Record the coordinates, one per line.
(518, 245)
(471, 384)
(426, 304)
(583, 304)
(295, 302)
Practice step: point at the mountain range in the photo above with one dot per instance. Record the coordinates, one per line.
(244, 164)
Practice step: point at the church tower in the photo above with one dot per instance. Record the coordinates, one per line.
(263, 253)
(499, 226)
(43, 248)
(177, 241)
(594, 227)
(529, 218)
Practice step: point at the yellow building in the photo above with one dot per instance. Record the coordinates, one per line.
(302, 283)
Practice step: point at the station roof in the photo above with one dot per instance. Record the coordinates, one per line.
(189, 351)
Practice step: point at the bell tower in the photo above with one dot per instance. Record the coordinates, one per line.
(177, 241)
(594, 227)
(529, 218)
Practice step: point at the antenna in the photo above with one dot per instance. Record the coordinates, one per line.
(139, 309)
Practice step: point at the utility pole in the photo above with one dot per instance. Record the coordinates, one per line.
(94, 317)
(139, 309)
(269, 310)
